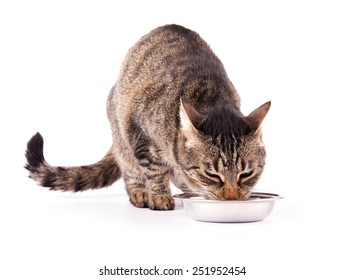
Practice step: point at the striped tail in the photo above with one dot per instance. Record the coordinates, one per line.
(81, 178)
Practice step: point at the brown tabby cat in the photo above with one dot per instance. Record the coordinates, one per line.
(174, 115)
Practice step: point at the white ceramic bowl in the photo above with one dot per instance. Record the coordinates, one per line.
(256, 208)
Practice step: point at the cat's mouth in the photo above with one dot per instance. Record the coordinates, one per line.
(239, 195)
(227, 192)
(212, 196)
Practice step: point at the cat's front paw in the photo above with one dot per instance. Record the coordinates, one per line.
(161, 202)
(138, 197)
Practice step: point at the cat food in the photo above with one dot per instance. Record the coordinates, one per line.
(256, 208)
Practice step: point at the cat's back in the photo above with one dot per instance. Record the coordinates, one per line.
(167, 42)
(166, 54)
(167, 64)
(174, 36)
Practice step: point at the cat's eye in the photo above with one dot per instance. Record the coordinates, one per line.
(244, 176)
(214, 177)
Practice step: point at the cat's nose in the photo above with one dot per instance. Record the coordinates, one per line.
(230, 192)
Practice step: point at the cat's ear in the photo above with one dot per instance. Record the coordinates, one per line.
(256, 117)
(189, 117)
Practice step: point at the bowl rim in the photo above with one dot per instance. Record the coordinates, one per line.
(261, 197)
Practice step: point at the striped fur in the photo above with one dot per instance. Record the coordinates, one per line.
(98, 175)
(174, 115)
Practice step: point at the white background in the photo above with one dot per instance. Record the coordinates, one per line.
(58, 61)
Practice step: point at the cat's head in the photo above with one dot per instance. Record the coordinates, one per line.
(221, 152)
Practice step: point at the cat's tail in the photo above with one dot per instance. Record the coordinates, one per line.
(98, 175)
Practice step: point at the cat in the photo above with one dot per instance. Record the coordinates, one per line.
(176, 116)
